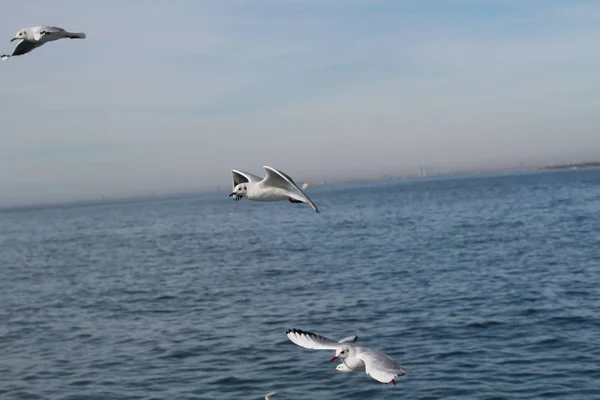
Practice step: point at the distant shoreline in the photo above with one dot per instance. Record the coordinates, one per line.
(592, 164)
(123, 199)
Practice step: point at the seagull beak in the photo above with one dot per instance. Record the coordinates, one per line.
(231, 194)
(13, 39)
(333, 358)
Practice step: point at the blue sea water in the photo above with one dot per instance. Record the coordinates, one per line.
(484, 288)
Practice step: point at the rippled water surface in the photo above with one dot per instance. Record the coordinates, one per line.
(484, 288)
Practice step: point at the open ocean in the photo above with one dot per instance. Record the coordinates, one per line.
(483, 288)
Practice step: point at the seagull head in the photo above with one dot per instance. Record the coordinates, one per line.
(22, 34)
(240, 190)
(341, 353)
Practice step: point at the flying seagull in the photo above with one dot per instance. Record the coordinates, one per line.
(35, 36)
(355, 357)
(275, 186)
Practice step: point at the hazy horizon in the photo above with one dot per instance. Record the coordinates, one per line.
(170, 96)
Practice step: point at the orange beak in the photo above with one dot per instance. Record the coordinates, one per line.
(13, 39)
(333, 358)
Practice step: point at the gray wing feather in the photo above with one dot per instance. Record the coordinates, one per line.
(241, 177)
(24, 47)
(349, 339)
(51, 29)
(41, 31)
(311, 340)
(380, 366)
(281, 180)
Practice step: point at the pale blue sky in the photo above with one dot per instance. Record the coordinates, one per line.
(167, 96)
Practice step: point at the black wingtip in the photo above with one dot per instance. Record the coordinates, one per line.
(298, 331)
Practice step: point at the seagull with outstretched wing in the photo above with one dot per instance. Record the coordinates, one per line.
(275, 186)
(35, 36)
(354, 357)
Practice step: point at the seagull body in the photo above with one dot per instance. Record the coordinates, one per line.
(270, 396)
(35, 36)
(355, 357)
(275, 186)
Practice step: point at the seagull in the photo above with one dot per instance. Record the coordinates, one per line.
(36, 36)
(355, 357)
(275, 186)
(270, 396)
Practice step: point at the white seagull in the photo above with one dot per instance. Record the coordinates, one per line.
(355, 357)
(36, 36)
(270, 396)
(275, 186)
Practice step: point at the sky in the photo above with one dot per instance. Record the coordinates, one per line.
(169, 96)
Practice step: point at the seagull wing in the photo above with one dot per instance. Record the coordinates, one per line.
(23, 47)
(311, 340)
(241, 177)
(281, 180)
(270, 396)
(43, 30)
(380, 366)
(349, 339)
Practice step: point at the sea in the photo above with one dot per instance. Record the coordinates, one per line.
(482, 287)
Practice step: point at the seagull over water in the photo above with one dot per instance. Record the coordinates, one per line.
(275, 186)
(270, 396)
(35, 36)
(355, 357)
